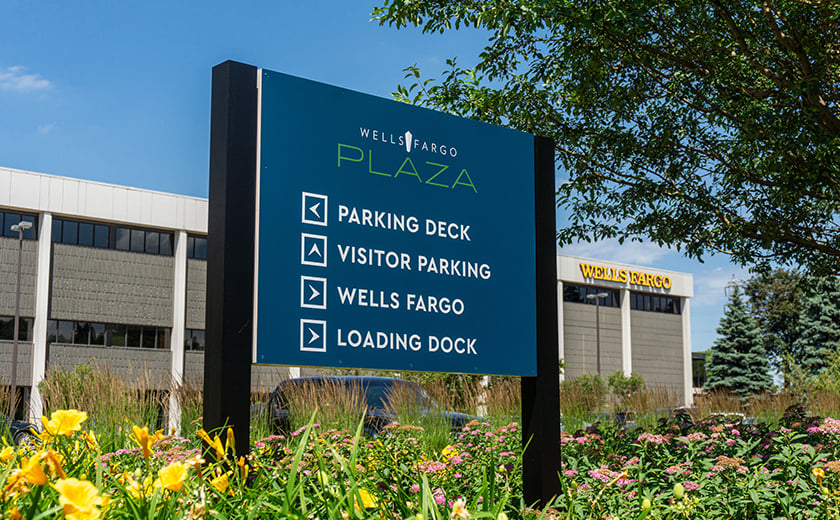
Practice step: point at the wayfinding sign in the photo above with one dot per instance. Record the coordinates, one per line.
(391, 236)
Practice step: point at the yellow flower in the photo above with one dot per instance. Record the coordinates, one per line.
(53, 460)
(819, 474)
(172, 476)
(243, 468)
(449, 451)
(79, 499)
(216, 443)
(64, 422)
(220, 483)
(230, 441)
(14, 514)
(144, 440)
(459, 509)
(7, 454)
(32, 472)
(367, 499)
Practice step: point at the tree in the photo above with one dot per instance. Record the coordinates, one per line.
(709, 127)
(774, 299)
(738, 362)
(819, 325)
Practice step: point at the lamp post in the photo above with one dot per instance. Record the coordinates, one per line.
(597, 297)
(20, 228)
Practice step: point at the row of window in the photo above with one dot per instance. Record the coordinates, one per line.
(8, 219)
(111, 237)
(107, 334)
(654, 303)
(104, 334)
(7, 328)
(578, 294)
(638, 301)
(124, 239)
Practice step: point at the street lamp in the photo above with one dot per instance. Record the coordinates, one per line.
(597, 297)
(20, 228)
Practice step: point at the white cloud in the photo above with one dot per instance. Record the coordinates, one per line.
(639, 253)
(710, 286)
(16, 79)
(46, 128)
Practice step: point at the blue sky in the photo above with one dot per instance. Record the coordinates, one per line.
(119, 92)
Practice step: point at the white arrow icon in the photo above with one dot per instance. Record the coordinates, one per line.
(314, 336)
(315, 249)
(314, 209)
(315, 293)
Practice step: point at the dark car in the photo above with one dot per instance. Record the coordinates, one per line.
(20, 431)
(379, 396)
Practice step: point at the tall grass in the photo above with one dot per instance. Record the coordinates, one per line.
(336, 404)
(112, 404)
(503, 400)
(413, 408)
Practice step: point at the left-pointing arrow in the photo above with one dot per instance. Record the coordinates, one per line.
(314, 209)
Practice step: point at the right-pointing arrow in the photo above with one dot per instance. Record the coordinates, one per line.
(314, 336)
(315, 293)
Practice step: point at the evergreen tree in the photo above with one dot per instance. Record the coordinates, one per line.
(738, 362)
(819, 325)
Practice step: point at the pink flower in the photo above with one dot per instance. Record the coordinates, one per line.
(651, 438)
(690, 486)
(415, 488)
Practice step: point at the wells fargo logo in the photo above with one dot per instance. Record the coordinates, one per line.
(611, 274)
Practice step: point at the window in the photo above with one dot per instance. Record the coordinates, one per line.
(654, 303)
(197, 247)
(194, 339)
(7, 328)
(7, 220)
(578, 294)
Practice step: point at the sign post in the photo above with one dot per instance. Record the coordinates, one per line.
(352, 231)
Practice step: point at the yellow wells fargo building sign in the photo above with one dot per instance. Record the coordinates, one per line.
(612, 274)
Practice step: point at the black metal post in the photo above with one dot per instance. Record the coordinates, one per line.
(230, 250)
(541, 394)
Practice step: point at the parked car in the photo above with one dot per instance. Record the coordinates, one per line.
(380, 396)
(20, 431)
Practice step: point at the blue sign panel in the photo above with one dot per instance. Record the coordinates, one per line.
(391, 236)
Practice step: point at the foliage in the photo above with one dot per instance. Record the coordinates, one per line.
(737, 362)
(707, 127)
(624, 387)
(774, 298)
(819, 324)
(582, 396)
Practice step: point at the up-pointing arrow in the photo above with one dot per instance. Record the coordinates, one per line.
(315, 292)
(314, 336)
(315, 249)
(314, 209)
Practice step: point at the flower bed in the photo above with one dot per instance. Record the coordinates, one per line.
(718, 468)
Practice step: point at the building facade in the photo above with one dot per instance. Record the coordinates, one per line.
(117, 275)
(643, 322)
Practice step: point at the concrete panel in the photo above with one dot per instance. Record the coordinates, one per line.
(24, 368)
(98, 201)
(135, 365)
(25, 190)
(658, 349)
(579, 340)
(107, 286)
(70, 196)
(8, 276)
(5, 187)
(196, 293)
(163, 210)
